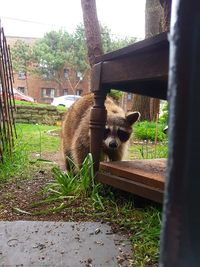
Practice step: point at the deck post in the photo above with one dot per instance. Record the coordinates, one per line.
(180, 240)
(98, 116)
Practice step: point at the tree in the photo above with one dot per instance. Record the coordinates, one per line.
(92, 30)
(98, 37)
(21, 58)
(59, 50)
(109, 44)
(149, 107)
(166, 14)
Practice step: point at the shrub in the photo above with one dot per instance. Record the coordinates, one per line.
(116, 95)
(147, 131)
(164, 113)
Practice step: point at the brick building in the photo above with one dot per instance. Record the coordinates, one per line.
(44, 89)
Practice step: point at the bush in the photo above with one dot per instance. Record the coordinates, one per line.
(164, 113)
(147, 131)
(115, 94)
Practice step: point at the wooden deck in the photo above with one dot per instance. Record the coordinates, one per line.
(144, 178)
(141, 68)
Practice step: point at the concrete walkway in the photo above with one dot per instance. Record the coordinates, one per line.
(61, 244)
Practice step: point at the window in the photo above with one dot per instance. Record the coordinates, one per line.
(129, 96)
(79, 92)
(48, 92)
(79, 76)
(65, 91)
(66, 74)
(21, 89)
(21, 75)
(48, 74)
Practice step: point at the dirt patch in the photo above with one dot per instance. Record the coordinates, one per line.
(21, 194)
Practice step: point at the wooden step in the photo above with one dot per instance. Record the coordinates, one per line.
(141, 177)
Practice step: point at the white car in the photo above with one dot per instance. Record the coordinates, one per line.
(65, 100)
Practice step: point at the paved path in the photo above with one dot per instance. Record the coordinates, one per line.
(61, 244)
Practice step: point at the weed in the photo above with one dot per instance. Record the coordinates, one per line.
(75, 183)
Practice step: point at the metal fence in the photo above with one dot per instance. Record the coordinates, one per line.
(7, 104)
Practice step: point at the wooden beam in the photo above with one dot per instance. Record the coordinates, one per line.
(140, 67)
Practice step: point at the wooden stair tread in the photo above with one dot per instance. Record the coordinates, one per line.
(144, 178)
(149, 172)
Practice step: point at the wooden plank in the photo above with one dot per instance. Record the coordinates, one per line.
(145, 45)
(146, 172)
(128, 185)
(140, 67)
(151, 88)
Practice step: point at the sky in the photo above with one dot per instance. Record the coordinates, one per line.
(32, 18)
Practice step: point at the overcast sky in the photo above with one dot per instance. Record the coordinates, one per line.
(32, 18)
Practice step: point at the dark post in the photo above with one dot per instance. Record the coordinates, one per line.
(180, 241)
(97, 116)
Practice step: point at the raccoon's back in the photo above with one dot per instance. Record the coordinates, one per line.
(73, 118)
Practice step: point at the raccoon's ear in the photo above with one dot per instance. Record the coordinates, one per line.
(132, 117)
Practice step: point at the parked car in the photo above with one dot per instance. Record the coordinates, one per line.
(20, 96)
(65, 100)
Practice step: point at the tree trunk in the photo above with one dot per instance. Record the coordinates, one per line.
(149, 107)
(92, 30)
(153, 15)
(166, 4)
(142, 104)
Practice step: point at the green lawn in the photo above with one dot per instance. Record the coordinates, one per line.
(30, 139)
(147, 150)
(37, 138)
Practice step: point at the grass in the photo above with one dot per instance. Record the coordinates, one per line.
(31, 139)
(76, 183)
(37, 138)
(148, 150)
(13, 164)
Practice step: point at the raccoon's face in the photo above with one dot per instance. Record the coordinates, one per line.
(118, 130)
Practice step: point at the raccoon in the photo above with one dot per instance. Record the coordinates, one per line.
(76, 131)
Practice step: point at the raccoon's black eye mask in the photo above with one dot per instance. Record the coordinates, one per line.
(106, 133)
(123, 136)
